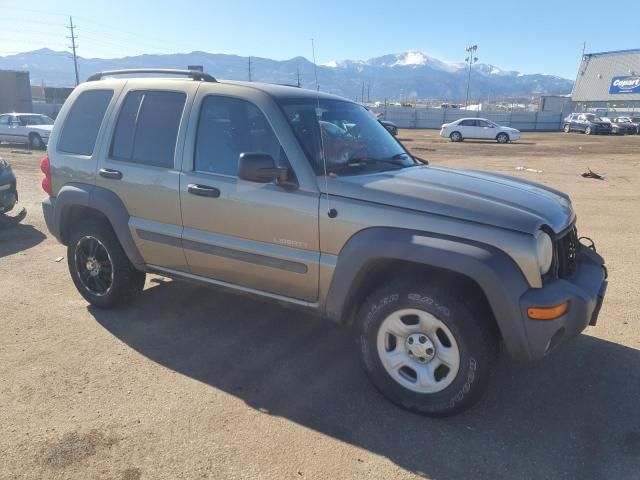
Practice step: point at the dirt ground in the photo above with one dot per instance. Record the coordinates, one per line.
(189, 382)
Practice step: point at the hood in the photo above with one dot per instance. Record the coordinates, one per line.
(510, 130)
(41, 128)
(471, 195)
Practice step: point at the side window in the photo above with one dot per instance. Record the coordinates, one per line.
(147, 128)
(468, 123)
(228, 127)
(83, 122)
(4, 119)
(482, 123)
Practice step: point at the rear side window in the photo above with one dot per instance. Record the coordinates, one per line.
(147, 128)
(83, 122)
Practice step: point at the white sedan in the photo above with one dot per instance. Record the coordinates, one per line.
(30, 128)
(478, 128)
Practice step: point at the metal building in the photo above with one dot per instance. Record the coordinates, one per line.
(608, 80)
(15, 91)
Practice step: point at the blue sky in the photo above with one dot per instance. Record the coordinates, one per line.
(532, 37)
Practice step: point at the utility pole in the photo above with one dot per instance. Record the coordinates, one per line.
(73, 48)
(298, 76)
(368, 93)
(249, 68)
(470, 60)
(362, 95)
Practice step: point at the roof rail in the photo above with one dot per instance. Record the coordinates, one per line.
(200, 76)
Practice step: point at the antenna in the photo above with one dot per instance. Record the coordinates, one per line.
(331, 212)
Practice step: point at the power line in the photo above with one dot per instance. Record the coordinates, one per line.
(73, 48)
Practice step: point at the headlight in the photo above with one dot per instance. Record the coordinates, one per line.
(544, 251)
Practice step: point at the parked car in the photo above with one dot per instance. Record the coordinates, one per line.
(226, 183)
(588, 123)
(478, 128)
(8, 195)
(30, 128)
(620, 128)
(390, 126)
(632, 123)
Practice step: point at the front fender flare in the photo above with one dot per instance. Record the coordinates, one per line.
(493, 270)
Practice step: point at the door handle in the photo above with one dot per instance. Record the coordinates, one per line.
(203, 190)
(109, 173)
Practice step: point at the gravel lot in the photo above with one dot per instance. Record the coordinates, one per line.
(190, 382)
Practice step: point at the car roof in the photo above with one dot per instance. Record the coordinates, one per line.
(272, 89)
(472, 118)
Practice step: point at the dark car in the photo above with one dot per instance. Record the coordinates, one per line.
(390, 126)
(8, 195)
(588, 123)
(620, 127)
(632, 124)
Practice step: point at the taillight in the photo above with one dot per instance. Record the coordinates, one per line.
(45, 167)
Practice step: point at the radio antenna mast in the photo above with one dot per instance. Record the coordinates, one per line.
(331, 212)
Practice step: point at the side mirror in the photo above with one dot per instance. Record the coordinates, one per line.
(261, 168)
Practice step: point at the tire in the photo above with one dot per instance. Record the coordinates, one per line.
(35, 141)
(99, 267)
(471, 351)
(567, 128)
(456, 137)
(502, 138)
(588, 131)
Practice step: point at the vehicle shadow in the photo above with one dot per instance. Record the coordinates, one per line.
(18, 237)
(574, 415)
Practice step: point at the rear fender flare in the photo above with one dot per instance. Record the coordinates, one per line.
(103, 201)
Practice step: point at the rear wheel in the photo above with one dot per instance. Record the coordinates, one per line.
(567, 128)
(35, 141)
(502, 138)
(456, 137)
(588, 131)
(423, 348)
(99, 267)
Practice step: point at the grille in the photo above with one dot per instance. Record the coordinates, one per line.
(566, 252)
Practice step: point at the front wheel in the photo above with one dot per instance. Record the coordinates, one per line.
(456, 137)
(424, 349)
(588, 131)
(99, 267)
(502, 138)
(567, 128)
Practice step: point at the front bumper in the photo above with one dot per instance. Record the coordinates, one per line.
(584, 290)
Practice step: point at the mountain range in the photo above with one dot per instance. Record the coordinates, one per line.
(407, 75)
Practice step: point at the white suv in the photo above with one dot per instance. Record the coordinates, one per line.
(479, 128)
(30, 128)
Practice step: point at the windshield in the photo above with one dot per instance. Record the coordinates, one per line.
(35, 120)
(352, 139)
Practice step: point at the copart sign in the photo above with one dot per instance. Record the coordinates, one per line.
(625, 84)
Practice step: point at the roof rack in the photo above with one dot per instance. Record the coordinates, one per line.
(194, 74)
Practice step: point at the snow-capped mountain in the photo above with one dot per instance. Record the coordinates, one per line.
(410, 74)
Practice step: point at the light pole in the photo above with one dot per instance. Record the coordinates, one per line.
(471, 59)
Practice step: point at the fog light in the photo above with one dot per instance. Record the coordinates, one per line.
(547, 313)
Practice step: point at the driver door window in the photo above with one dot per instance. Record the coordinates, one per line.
(228, 127)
